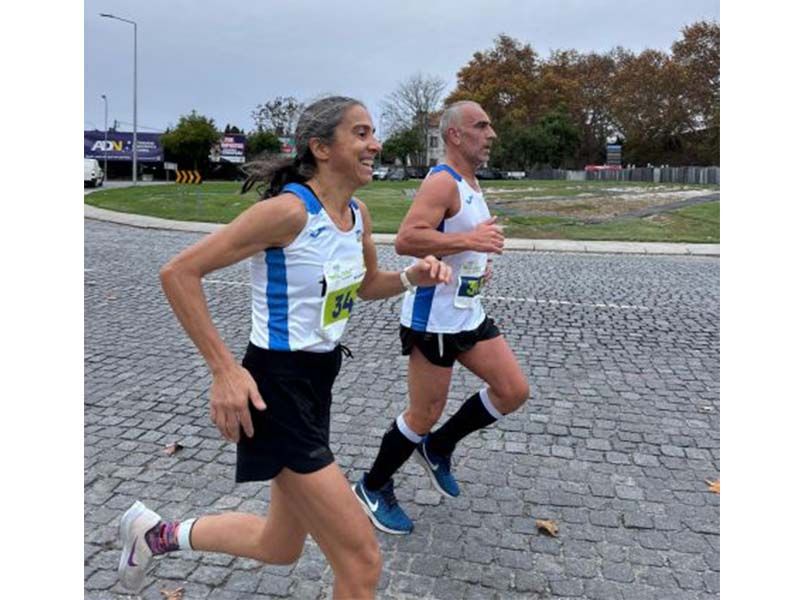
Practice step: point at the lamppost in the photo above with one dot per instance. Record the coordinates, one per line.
(105, 137)
(108, 16)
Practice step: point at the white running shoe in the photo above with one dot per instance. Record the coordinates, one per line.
(136, 554)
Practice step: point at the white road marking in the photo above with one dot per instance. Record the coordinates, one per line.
(567, 302)
(495, 298)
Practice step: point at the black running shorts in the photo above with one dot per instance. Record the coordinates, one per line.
(452, 344)
(294, 430)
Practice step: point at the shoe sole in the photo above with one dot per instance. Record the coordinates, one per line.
(124, 529)
(375, 522)
(424, 464)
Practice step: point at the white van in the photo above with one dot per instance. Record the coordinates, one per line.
(93, 175)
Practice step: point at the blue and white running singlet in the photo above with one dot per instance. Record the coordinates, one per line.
(302, 294)
(453, 307)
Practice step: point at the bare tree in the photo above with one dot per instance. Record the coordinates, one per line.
(278, 116)
(411, 104)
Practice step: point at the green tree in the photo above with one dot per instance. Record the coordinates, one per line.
(403, 143)
(556, 139)
(551, 141)
(259, 142)
(189, 144)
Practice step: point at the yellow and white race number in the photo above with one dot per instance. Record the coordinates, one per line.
(342, 280)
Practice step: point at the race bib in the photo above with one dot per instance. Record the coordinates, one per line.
(342, 280)
(470, 282)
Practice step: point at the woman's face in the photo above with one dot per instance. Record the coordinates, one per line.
(354, 146)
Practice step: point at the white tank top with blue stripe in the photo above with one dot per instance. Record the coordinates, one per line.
(453, 307)
(302, 294)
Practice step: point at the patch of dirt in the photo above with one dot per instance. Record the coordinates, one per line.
(603, 205)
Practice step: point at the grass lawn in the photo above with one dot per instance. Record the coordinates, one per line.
(528, 209)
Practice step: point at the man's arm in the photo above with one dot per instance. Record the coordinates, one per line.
(385, 284)
(436, 200)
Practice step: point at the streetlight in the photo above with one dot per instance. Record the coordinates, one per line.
(105, 137)
(108, 16)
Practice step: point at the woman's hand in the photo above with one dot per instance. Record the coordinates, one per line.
(231, 390)
(429, 271)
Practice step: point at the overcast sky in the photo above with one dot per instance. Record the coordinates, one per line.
(223, 58)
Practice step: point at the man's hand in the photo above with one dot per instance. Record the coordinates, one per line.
(488, 237)
(487, 275)
(429, 271)
(230, 393)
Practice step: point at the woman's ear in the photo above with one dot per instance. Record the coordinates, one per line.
(320, 150)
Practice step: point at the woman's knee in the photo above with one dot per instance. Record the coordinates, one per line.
(364, 564)
(280, 554)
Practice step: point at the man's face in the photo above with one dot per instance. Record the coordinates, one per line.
(474, 134)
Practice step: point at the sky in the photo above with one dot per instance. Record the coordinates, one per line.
(224, 58)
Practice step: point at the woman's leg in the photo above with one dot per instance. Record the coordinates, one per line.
(326, 506)
(276, 539)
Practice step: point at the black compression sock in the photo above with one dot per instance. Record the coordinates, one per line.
(395, 450)
(470, 417)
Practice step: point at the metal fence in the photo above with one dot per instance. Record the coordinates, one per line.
(699, 175)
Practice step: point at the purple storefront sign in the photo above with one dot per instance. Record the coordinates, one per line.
(120, 146)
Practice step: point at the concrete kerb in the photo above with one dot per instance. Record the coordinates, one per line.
(101, 214)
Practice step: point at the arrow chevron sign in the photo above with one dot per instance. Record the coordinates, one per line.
(188, 177)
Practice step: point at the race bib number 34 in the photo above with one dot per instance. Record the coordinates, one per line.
(338, 304)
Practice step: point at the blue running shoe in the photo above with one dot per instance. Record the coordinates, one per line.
(438, 467)
(382, 508)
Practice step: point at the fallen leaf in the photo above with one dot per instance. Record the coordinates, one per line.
(176, 594)
(551, 527)
(173, 448)
(111, 297)
(713, 486)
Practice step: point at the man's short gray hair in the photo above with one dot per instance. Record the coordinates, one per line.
(452, 117)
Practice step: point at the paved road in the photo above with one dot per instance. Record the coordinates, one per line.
(615, 444)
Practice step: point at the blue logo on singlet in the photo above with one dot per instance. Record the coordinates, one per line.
(315, 233)
(469, 199)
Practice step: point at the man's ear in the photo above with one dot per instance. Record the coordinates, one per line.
(320, 150)
(455, 135)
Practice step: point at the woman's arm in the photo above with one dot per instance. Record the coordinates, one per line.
(272, 223)
(385, 284)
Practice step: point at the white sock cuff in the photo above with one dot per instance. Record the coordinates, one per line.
(487, 404)
(184, 529)
(406, 430)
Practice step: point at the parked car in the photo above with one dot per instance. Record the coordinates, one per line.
(514, 175)
(380, 173)
(488, 173)
(93, 175)
(416, 172)
(397, 174)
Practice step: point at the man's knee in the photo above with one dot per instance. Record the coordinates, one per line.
(421, 419)
(511, 394)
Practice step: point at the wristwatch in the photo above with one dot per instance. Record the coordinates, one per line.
(406, 283)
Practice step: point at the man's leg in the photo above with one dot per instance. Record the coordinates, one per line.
(493, 361)
(428, 385)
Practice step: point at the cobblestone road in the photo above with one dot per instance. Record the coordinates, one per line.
(615, 444)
